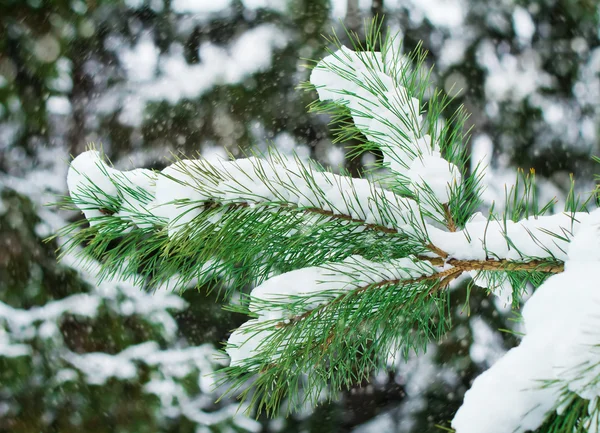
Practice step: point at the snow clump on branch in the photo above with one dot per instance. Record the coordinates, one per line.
(386, 113)
(559, 351)
(273, 301)
(184, 189)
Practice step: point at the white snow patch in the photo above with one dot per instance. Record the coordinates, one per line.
(58, 105)
(561, 342)
(200, 7)
(252, 52)
(141, 61)
(523, 25)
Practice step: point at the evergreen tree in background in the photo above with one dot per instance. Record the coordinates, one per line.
(73, 72)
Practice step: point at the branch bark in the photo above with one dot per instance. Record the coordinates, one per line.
(444, 278)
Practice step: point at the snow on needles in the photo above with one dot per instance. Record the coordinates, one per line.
(275, 299)
(483, 239)
(558, 353)
(179, 193)
(95, 187)
(384, 111)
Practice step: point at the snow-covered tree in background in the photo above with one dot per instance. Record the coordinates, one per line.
(72, 343)
(350, 273)
(76, 353)
(50, 353)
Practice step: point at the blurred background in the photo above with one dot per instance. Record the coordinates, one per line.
(148, 78)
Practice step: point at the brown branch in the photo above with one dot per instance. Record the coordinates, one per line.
(345, 217)
(210, 204)
(443, 254)
(449, 220)
(444, 282)
(314, 210)
(497, 265)
(438, 275)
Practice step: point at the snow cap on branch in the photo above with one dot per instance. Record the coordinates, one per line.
(533, 237)
(559, 350)
(295, 293)
(245, 342)
(385, 112)
(183, 190)
(87, 174)
(96, 188)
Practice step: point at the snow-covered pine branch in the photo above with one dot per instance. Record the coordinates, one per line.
(347, 271)
(197, 211)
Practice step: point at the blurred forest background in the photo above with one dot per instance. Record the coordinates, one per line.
(149, 78)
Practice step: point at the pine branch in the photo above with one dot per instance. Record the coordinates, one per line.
(384, 93)
(320, 341)
(196, 236)
(442, 278)
(348, 271)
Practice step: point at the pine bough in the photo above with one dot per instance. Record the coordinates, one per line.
(350, 271)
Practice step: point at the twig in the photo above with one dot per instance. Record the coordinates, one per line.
(449, 220)
(497, 265)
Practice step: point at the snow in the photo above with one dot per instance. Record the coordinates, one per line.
(497, 283)
(509, 396)
(99, 367)
(94, 186)
(440, 13)
(338, 9)
(140, 62)
(176, 198)
(177, 194)
(310, 287)
(58, 105)
(561, 343)
(389, 116)
(434, 172)
(177, 363)
(319, 284)
(530, 237)
(381, 423)
(168, 368)
(21, 329)
(453, 51)
(511, 77)
(278, 5)
(199, 7)
(523, 25)
(90, 185)
(416, 375)
(170, 78)
(245, 342)
(584, 247)
(136, 190)
(9, 349)
(21, 321)
(382, 110)
(487, 347)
